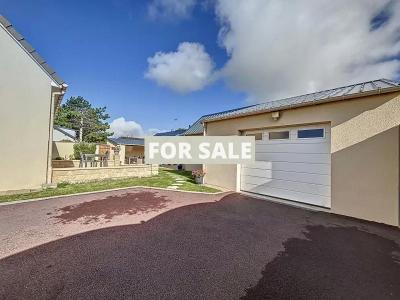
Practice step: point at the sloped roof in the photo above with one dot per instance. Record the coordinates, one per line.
(32, 52)
(128, 141)
(336, 94)
(171, 133)
(197, 127)
(68, 132)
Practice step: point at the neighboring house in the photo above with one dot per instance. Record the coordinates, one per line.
(336, 149)
(179, 132)
(176, 132)
(61, 134)
(30, 92)
(130, 147)
(64, 140)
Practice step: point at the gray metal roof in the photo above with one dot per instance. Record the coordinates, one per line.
(129, 141)
(68, 132)
(197, 127)
(336, 94)
(28, 48)
(171, 133)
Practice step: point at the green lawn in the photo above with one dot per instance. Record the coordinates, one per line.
(162, 180)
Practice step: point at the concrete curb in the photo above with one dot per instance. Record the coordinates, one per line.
(104, 191)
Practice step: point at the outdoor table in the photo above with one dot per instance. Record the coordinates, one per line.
(91, 158)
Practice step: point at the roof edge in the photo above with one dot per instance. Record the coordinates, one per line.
(61, 129)
(34, 55)
(315, 102)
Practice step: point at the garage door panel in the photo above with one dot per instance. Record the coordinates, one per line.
(293, 157)
(290, 176)
(297, 169)
(287, 194)
(324, 169)
(310, 188)
(293, 140)
(294, 148)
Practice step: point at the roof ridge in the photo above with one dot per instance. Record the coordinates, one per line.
(304, 95)
(333, 89)
(227, 111)
(389, 81)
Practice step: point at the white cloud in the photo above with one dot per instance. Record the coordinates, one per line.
(121, 127)
(282, 48)
(171, 9)
(188, 69)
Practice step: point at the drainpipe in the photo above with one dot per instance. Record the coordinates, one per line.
(55, 96)
(203, 166)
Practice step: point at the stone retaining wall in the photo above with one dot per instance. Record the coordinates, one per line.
(65, 163)
(74, 163)
(75, 175)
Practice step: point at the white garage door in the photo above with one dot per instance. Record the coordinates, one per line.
(292, 163)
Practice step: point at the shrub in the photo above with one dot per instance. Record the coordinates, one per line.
(198, 173)
(85, 148)
(62, 184)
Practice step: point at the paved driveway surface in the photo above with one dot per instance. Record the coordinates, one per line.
(238, 247)
(29, 224)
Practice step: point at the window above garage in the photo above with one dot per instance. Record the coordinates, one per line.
(310, 133)
(278, 135)
(257, 136)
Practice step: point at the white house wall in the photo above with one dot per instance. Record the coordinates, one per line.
(25, 97)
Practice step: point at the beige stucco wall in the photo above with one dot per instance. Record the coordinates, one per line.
(365, 152)
(25, 97)
(188, 167)
(62, 149)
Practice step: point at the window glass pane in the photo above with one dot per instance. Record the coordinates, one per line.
(258, 135)
(279, 135)
(310, 133)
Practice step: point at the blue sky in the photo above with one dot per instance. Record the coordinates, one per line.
(101, 52)
(101, 49)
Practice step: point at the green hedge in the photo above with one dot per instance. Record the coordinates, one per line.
(85, 148)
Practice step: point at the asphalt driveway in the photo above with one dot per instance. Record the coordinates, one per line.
(229, 248)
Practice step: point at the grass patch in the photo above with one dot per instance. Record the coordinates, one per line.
(162, 180)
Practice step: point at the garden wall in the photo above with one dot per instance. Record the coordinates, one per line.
(74, 175)
(74, 163)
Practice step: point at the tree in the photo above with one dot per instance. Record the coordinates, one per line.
(89, 122)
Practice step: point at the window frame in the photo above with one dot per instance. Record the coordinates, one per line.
(311, 137)
(278, 139)
(255, 135)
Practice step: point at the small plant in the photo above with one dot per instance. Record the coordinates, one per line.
(198, 173)
(59, 158)
(62, 184)
(85, 148)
